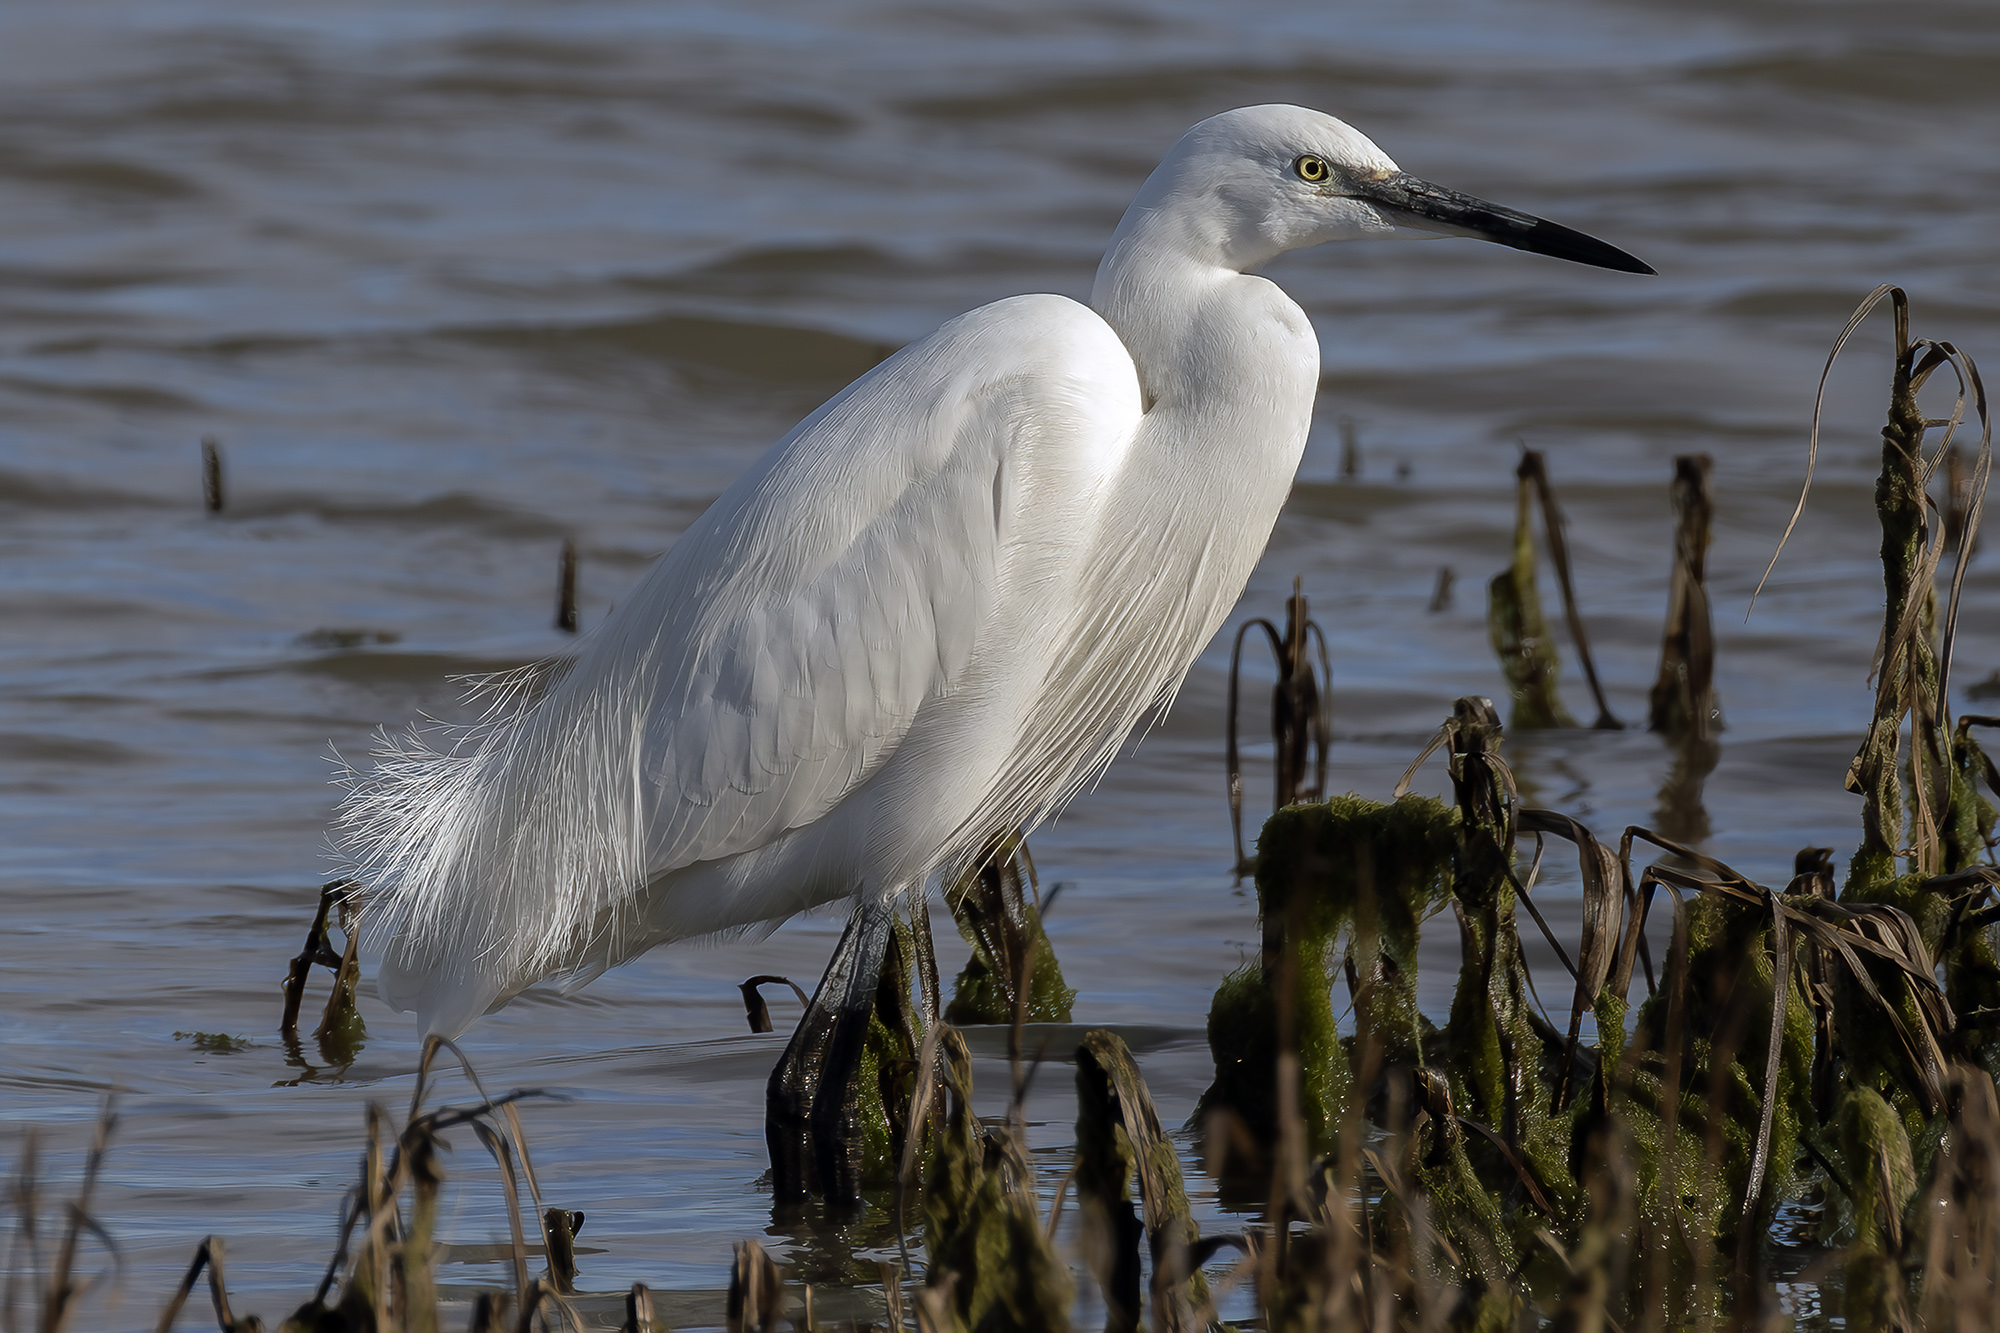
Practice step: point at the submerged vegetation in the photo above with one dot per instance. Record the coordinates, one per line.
(1807, 1070)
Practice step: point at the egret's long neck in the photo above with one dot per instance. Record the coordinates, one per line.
(1229, 368)
(1156, 297)
(1205, 336)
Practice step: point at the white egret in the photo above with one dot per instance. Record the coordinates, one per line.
(928, 614)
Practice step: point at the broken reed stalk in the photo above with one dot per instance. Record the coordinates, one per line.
(209, 1256)
(566, 587)
(639, 1317)
(212, 497)
(1520, 634)
(561, 1225)
(54, 1295)
(1683, 703)
(1908, 680)
(992, 1262)
(1301, 721)
(386, 1254)
(1913, 657)
(1119, 1138)
(1441, 590)
(755, 1010)
(756, 1292)
(1534, 470)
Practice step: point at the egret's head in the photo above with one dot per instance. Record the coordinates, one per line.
(1248, 185)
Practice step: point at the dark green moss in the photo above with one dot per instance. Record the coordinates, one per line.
(1243, 1038)
(978, 996)
(1873, 1053)
(1374, 871)
(1730, 990)
(1465, 1209)
(1968, 823)
(980, 1224)
(1876, 1162)
(992, 907)
(1972, 985)
(1520, 634)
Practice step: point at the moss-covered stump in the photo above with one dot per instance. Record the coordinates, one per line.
(994, 914)
(1972, 986)
(1968, 822)
(1365, 869)
(1702, 1174)
(1873, 1154)
(1492, 1047)
(1520, 634)
(1499, 1056)
(988, 1250)
(1888, 1039)
(1119, 1140)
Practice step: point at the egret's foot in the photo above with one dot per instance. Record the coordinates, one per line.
(810, 1120)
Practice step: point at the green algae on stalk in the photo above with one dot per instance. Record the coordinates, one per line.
(1683, 705)
(989, 1251)
(1913, 666)
(1881, 1175)
(1119, 1139)
(1514, 613)
(1726, 989)
(1372, 870)
(1493, 1049)
(998, 911)
(1520, 634)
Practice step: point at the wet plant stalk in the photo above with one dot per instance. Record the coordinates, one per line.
(1683, 704)
(1520, 634)
(1908, 676)
(1534, 469)
(1913, 666)
(1301, 728)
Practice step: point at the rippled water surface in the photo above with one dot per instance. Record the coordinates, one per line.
(452, 283)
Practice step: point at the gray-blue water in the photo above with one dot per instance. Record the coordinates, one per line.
(451, 283)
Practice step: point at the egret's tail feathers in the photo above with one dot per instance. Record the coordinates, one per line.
(495, 854)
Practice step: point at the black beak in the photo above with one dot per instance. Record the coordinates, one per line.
(1417, 203)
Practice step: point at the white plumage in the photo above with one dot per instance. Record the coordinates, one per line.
(930, 613)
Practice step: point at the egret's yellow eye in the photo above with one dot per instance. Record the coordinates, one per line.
(1312, 169)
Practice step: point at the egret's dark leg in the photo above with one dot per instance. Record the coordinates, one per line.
(809, 1102)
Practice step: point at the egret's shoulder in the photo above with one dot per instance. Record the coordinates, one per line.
(1038, 311)
(1054, 360)
(1039, 326)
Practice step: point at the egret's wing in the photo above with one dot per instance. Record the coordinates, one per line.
(764, 669)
